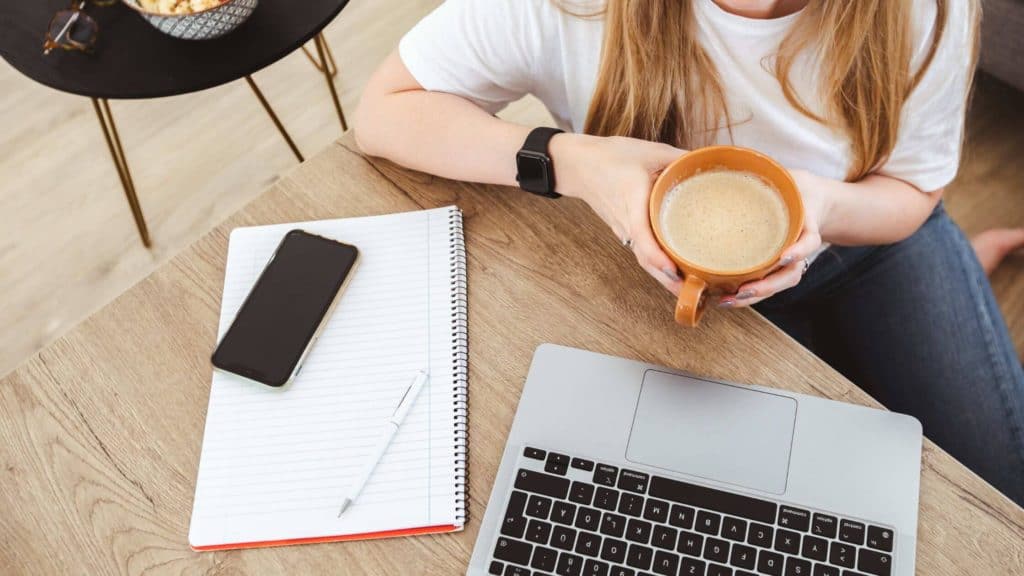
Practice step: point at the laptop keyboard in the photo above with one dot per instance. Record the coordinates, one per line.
(576, 517)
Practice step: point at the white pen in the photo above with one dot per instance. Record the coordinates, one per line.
(390, 428)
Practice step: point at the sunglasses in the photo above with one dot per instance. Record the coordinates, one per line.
(73, 29)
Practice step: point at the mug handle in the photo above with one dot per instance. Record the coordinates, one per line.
(690, 306)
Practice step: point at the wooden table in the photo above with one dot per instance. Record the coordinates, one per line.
(100, 433)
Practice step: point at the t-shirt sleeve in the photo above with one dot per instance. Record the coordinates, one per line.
(481, 50)
(927, 151)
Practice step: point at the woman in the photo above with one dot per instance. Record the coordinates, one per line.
(863, 101)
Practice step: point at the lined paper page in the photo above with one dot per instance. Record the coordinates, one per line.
(276, 463)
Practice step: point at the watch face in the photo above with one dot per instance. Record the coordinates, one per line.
(533, 171)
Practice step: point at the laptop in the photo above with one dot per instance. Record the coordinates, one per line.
(620, 468)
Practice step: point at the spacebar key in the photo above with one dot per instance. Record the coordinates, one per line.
(717, 500)
(541, 483)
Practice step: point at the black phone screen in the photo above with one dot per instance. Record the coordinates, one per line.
(283, 310)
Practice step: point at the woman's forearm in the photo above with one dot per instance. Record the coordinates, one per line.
(435, 132)
(875, 210)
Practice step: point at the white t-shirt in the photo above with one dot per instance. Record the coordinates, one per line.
(493, 52)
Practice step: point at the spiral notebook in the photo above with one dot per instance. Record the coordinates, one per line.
(275, 463)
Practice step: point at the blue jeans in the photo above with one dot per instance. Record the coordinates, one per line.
(916, 326)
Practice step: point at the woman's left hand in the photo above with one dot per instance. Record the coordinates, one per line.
(794, 260)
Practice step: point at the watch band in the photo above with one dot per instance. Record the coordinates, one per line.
(534, 157)
(538, 138)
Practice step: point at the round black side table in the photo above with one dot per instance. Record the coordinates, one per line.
(131, 59)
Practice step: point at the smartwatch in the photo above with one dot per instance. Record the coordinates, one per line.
(534, 170)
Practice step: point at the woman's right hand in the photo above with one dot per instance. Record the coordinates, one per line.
(614, 175)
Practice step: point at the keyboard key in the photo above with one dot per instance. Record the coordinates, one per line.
(639, 556)
(665, 563)
(744, 573)
(691, 567)
(797, 567)
(595, 568)
(633, 481)
(794, 518)
(555, 467)
(743, 556)
(588, 518)
(656, 510)
(719, 570)
(631, 504)
(613, 525)
(581, 464)
(569, 565)
(516, 503)
(825, 570)
(690, 543)
(541, 483)
(513, 525)
(544, 559)
(734, 529)
(717, 500)
(638, 531)
(787, 541)
(511, 570)
(682, 516)
(513, 551)
(558, 458)
(562, 537)
(613, 550)
(769, 563)
(563, 513)
(606, 498)
(852, 573)
(605, 475)
(537, 531)
(663, 537)
(852, 532)
(824, 525)
(587, 543)
(708, 522)
(538, 507)
(872, 562)
(535, 453)
(841, 554)
(495, 568)
(716, 550)
(880, 538)
(621, 571)
(581, 493)
(760, 535)
(815, 548)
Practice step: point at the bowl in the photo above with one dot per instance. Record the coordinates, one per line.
(202, 25)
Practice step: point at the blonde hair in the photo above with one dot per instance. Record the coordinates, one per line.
(656, 82)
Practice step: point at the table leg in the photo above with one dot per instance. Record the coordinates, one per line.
(273, 117)
(102, 107)
(326, 61)
(332, 67)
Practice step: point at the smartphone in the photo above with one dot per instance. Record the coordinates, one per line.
(284, 312)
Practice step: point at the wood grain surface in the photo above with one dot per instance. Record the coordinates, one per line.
(100, 433)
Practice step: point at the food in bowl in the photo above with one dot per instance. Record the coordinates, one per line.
(179, 6)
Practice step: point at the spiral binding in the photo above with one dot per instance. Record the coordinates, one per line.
(460, 356)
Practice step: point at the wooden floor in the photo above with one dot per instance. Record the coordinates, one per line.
(68, 245)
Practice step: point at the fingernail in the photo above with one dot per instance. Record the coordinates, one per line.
(786, 261)
(672, 274)
(744, 294)
(727, 303)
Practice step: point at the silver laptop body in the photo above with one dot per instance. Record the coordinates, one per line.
(615, 467)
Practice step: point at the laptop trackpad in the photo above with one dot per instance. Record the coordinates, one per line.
(713, 430)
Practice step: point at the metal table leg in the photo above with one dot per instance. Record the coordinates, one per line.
(102, 107)
(329, 69)
(273, 117)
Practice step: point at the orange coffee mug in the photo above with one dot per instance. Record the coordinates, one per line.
(700, 281)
